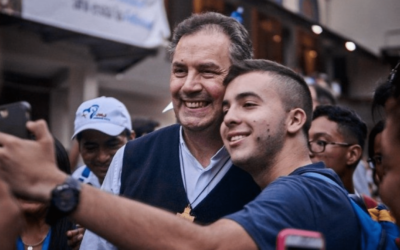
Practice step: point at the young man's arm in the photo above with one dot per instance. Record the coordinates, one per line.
(130, 225)
(29, 168)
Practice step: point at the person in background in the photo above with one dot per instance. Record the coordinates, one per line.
(143, 126)
(375, 152)
(36, 233)
(102, 126)
(323, 96)
(337, 137)
(184, 168)
(387, 95)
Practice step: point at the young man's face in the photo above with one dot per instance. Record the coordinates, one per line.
(98, 149)
(199, 66)
(334, 156)
(254, 126)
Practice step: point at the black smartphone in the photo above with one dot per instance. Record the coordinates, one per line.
(295, 239)
(13, 118)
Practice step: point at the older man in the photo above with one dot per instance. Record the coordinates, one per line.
(184, 168)
(267, 111)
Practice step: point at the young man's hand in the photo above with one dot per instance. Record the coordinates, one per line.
(28, 166)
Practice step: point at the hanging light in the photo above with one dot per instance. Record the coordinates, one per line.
(350, 46)
(317, 29)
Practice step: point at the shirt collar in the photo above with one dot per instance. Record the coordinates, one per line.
(221, 154)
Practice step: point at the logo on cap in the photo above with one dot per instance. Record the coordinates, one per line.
(92, 111)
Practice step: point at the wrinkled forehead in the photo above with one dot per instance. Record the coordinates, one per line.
(203, 36)
(208, 29)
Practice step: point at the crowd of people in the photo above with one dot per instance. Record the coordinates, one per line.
(238, 167)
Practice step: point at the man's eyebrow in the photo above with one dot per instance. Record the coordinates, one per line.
(89, 143)
(208, 65)
(246, 94)
(242, 96)
(178, 64)
(321, 135)
(112, 139)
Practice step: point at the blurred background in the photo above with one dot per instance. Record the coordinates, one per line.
(56, 54)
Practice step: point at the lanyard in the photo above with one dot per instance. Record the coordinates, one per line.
(45, 245)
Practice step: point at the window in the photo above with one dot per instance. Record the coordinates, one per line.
(266, 37)
(309, 8)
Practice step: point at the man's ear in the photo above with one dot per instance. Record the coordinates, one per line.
(354, 153)
(296, 119)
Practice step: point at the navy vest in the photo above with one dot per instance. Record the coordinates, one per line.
(151, 174)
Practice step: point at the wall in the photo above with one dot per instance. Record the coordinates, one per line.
(365, 21)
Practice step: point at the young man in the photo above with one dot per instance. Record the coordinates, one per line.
(184, 168)
(267, 111)
(102, 126)
(336, 137)
(322, 96)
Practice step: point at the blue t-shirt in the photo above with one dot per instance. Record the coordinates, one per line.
(301, 202)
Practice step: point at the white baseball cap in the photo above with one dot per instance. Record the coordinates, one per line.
(105, 114)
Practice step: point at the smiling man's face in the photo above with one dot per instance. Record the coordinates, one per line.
(254, 127)
(200, 63)
(98, 149)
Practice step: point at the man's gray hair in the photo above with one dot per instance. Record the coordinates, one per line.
(241, 47)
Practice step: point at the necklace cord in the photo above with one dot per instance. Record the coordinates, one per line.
(185, 184)
(35, 245)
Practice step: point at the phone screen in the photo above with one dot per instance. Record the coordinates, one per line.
(296, 239)
(301, 242)
(301, 248)
(13, 118)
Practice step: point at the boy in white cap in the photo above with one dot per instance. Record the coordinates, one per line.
(102, 126)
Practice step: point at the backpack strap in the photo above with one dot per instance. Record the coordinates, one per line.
(374, 235)
(324, 178)
(357, 198)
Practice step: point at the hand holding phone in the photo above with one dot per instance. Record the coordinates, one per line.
(296, 239)
(13, 118)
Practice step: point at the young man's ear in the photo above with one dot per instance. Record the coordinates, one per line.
(296, 119)
(354, 153)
